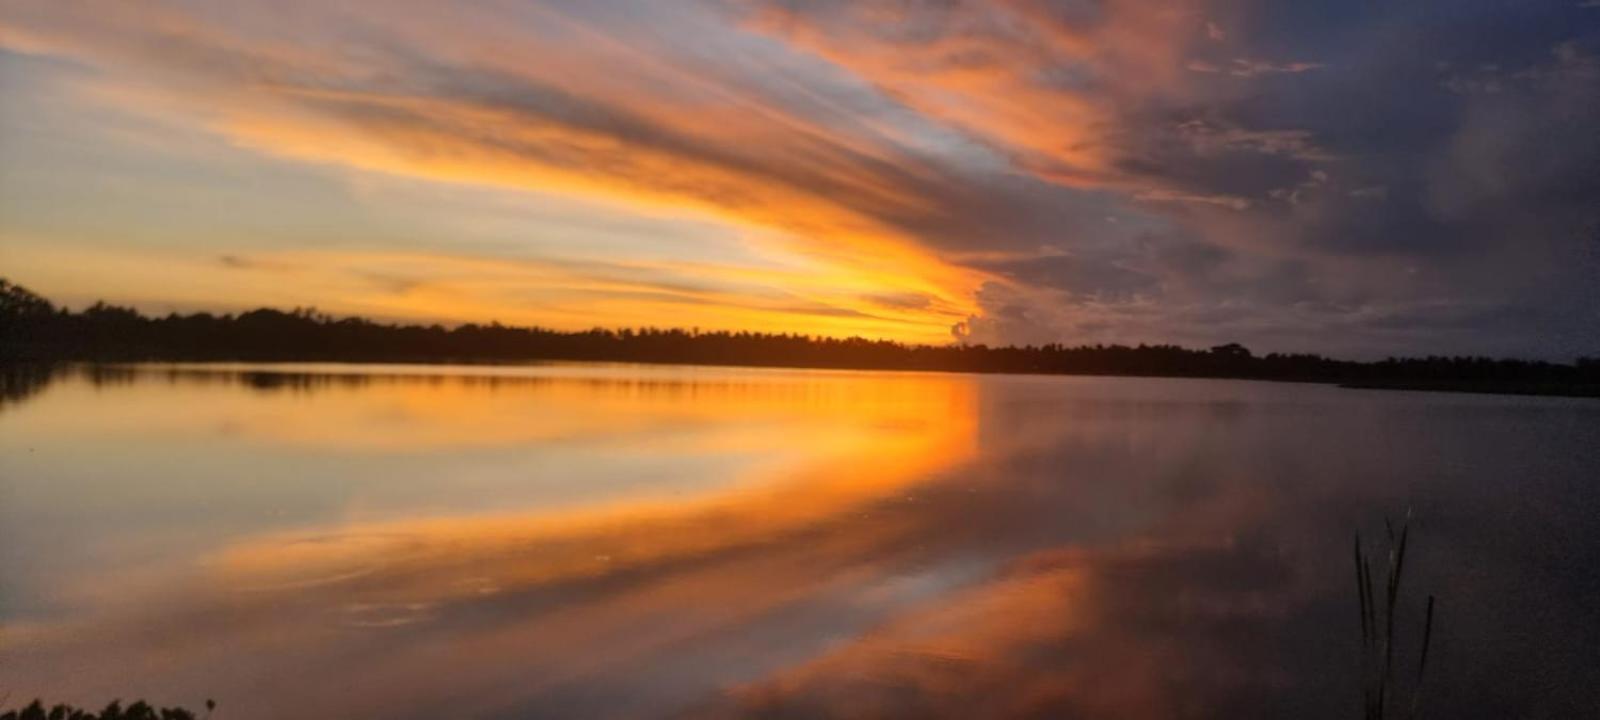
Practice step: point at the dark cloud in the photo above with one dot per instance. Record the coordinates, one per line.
(1432, 188)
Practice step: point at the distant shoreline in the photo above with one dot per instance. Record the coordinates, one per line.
(33, 330)
(1510, 388)
(17, 373)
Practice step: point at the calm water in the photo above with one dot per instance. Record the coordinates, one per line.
(630, 541)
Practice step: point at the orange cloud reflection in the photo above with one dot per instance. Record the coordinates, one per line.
(828, 452)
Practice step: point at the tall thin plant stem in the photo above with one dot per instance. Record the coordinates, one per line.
(1378, 685)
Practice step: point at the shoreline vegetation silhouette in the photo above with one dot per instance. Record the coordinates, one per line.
(139, 710)
(35, 330)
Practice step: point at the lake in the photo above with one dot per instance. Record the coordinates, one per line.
(592, 541)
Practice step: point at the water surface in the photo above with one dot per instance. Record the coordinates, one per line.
(637, 541)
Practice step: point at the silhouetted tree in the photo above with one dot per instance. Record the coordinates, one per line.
(114, 711)
(17, 302)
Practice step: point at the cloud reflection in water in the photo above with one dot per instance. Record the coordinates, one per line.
(869, 545)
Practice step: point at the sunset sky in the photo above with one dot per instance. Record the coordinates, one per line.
(1349, 178)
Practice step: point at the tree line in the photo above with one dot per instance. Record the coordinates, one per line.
(34, 329)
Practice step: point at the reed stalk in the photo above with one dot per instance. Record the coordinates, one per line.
(1378, 684)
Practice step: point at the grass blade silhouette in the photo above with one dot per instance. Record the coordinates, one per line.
(1379, 686)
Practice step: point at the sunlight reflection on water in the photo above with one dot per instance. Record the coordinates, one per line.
(603, 540)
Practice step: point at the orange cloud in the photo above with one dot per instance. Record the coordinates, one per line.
(543, 122)
(984, 68)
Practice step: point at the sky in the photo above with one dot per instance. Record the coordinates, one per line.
(1357, 179)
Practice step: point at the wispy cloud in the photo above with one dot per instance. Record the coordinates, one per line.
(1241, 67)
(452, 110)
(1227, 201)
(1244, 67)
